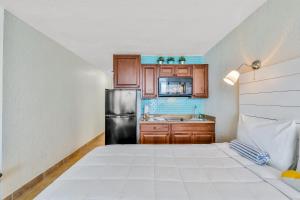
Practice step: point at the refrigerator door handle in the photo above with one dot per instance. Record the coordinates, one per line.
(120, 116)
(129, 116)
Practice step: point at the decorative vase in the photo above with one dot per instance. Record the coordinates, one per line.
(182, 62)
(160, 62)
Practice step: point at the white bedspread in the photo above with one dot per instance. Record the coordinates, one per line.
(173, 172)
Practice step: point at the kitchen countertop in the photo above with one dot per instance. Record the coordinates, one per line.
(176, 122)
(176, 119)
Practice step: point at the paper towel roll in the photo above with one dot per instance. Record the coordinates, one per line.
(146, 109)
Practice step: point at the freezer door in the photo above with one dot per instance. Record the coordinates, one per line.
(120, 102)
(120, 130)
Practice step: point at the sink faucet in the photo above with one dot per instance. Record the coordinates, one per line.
(195, 108)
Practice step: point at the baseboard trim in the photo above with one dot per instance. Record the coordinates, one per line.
(46, 173)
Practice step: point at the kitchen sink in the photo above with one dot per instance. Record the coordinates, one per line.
(179, 119)
(174, 118)
(197, 119)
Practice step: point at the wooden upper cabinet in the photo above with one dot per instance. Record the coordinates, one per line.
(183, 71)
(200, 81)
(149, 77)
(166, 70)
(127, 71)
(175, 70)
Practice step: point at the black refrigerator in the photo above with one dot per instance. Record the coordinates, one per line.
(121, 115)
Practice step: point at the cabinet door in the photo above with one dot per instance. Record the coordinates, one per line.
(166, 71)
(127, 71)
(154, 138)
(198, 127)
(154, 127)
(183, 71)
(200, 81)
(149, 87)
(202, 138)
(182, 138)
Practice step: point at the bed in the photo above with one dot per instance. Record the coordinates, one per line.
(193, 172)
(161, 172)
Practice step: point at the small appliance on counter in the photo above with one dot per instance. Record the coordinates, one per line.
(121, 116)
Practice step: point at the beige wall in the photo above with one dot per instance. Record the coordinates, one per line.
(53, 103)
(271, 34)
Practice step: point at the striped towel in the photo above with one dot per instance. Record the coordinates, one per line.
(258, 156)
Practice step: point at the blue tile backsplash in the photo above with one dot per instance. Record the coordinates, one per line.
(173, 105)
(189, 59)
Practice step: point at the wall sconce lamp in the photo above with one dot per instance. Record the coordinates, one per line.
(232, 77)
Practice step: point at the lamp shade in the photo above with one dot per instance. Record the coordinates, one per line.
(232, 77)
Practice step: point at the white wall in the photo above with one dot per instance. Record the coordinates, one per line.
(271, 34)
(53, 103)
(1, 86)
(275, 92)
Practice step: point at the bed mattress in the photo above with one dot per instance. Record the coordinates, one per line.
(168, 172)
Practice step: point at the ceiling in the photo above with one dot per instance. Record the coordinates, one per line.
(96, 29)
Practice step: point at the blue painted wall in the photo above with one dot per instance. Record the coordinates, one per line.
(173, 105)
(189, 59)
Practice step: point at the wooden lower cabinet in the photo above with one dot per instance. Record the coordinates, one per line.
(177, 133)
(191, 138)
(155, 133)
(193, 133)
(155, 138)
(203, 138)
(182, 138)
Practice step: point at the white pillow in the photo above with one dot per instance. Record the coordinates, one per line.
(278, 138)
